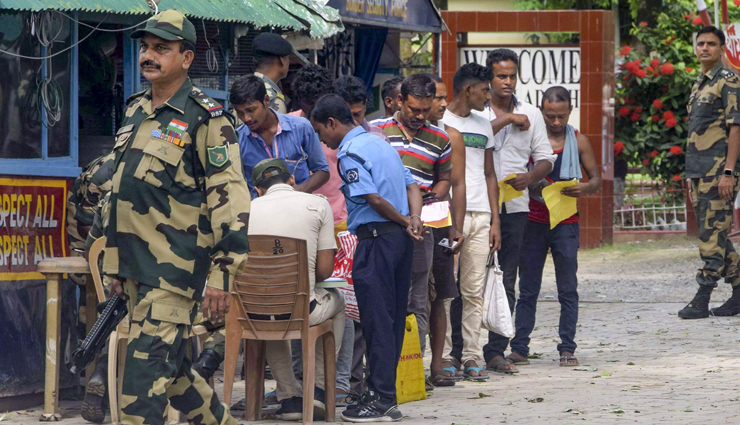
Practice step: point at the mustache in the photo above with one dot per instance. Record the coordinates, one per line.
(150, 63)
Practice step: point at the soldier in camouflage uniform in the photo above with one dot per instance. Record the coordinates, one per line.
(82, 201)
(179, 202)
(712, 169)
(272, 59)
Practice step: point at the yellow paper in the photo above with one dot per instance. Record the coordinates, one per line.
(560, 206)
(506, 192)
(440, 223)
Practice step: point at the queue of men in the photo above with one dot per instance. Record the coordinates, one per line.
(183, 189)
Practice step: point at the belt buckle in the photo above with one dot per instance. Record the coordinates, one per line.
(375, 233)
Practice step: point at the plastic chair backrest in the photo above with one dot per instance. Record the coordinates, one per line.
(97, 248)
(272, 292)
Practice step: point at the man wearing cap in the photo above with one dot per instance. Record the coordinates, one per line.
(384, 206)
(178, 204)
(281, 210)
(272, 61)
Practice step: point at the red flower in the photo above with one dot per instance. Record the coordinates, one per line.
(676, 178)
(686, 118)
(635, 116)
(625, 50)
(690, 69)
(638, 109)
(645, 162)
(670, 123)
(655, 63)
(666, 68)
(656, 118)
(667, 115)
(618, 147)
(650, 69)
(664, 89)
(657, 104)
(668, 41)
(676, 150)
(687, 16)
(623, 111)
(631, 67)
(736, 2)
(653, 154)
(696, 21)
(641, 73)
(643, 24)
(630, 101)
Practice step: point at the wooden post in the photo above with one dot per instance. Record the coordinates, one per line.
(53, 319)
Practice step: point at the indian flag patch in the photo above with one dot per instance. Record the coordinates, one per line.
(177, 127)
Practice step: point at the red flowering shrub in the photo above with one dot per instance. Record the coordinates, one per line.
(635, 116)
(657, 104)
(667, 115)
(667, 69)
(653, 154)
(656, 118)
(625, 50)
(618, 147)
(643, 24)
(645, 162)
(676, 178)
(696, 21)
(671, 122)
(675, 150)
(624, 110)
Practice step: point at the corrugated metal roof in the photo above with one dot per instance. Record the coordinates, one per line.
(287, 14)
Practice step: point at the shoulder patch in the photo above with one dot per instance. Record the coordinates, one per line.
(218, 155)
(352, 175)
(206, 102)
(135, 96)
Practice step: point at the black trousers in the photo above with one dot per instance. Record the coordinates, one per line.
(512, 238)
(382, 274)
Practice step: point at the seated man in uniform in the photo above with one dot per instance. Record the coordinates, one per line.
(281, 210)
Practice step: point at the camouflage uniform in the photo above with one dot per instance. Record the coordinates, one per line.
(713, 107)
(277, 99)
(179, 200)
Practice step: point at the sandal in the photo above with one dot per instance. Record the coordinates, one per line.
(494, 366)
(441, 380)
(517, 359)
(343, 400)
(569, 361)
(477, 370)
(453, 370)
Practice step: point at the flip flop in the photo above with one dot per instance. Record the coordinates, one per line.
(496, 363)
(565, 361)
(442, 380)
(475, 369)
(454, 371)
(516, 362)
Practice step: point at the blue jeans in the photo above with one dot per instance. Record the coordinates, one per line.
(563, 242)
(344, 360)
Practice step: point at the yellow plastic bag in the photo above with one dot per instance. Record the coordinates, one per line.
(410, 373)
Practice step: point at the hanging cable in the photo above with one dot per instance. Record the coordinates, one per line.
(211, 58)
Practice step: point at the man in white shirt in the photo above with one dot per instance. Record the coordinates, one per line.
(280, 210)
(520, 134)
(481, 225)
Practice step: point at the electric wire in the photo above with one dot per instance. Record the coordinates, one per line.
(211, 59)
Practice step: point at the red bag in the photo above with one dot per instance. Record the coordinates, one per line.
(343, 269)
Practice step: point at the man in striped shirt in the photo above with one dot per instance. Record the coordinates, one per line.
(426, 152)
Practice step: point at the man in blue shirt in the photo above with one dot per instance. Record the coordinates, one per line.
(268, 134)
(384, 206)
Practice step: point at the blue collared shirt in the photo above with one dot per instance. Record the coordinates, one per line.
(367, 165)
(295, 142)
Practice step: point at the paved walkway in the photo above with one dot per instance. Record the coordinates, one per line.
(641, 364)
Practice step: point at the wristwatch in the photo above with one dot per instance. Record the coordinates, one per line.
(729, 172)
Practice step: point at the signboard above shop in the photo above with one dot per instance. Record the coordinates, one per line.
(540, 67)
(408, 15)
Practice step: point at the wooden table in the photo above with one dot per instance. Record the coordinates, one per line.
(54, 270)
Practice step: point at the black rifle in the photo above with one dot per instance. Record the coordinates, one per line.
(115, 310)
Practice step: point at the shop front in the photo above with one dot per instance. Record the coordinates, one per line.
(66, 75)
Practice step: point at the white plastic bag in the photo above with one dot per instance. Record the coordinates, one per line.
(496, 316)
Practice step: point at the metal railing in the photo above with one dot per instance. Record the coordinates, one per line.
(649, 206)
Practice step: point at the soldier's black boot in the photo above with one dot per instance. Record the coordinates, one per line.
(731, 307)
(698, 308)
(207, 363)
(93, 407)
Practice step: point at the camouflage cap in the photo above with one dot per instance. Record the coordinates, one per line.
(267, 168)
(170, 25)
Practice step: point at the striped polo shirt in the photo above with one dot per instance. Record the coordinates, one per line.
(430, 152)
